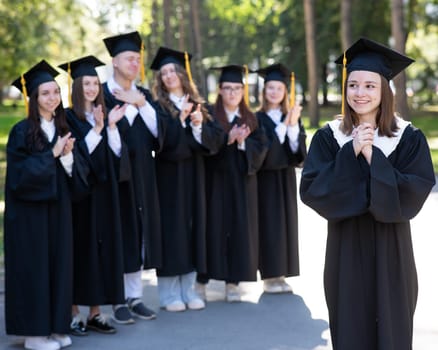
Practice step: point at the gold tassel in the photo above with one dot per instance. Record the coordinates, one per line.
(70, 103)
(142, 71)
(292, 90)
(24, 90)
(344, 78)
(187, 64)
(246, 86)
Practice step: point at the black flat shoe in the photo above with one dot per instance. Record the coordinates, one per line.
(77, 326)
(100, 324)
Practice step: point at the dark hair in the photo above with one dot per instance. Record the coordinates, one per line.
(36, 138)
(78, 100)
(161, 94)
(284, 105)
(385, 119)
(246, 116)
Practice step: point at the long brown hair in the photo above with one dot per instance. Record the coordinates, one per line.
(78, 99)
(161, 94)
(246, 116)
(284, 105)
(36, 138)
(385, 119)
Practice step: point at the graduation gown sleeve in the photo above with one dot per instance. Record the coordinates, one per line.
(405, 184)
(30, 176)
(333, 182)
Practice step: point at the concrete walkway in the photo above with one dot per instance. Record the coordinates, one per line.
(269, 322)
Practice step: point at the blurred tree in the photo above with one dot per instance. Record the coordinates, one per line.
(312, 61)
(399, 36)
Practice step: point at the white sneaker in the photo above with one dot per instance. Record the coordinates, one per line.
(63, 339)
(41, 343)
(200, 289)
(175, 306)
(285, 287)
(232, 293)
(196, 304)
(272, 285)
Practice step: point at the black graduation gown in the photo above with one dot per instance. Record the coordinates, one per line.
(139, 204)
(97, 230)
(232, 221)
(277, 202)
(38, 238)
(181, 189)
(370, 277)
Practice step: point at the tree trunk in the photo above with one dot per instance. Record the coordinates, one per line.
(312, 61)
(399, 35)
(346, 24)
(167, 12)
(181, 26)
(198, 72)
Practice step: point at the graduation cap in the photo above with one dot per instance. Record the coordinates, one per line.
(123, 42)
(277, 72)
(233, 73)
(80, 67)
(126, 42)
(40, 73)
(368, 55)
(165, 55)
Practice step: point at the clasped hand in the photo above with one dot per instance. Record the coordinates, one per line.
(363, 138)
(64, 145)
(238, 133)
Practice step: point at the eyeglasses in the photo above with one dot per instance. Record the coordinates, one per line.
(230, 89)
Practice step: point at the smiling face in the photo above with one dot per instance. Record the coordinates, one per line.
(275, 92)
(170, 78)
(127, 65)
(364, 94)
(91, 87)
(49, 98)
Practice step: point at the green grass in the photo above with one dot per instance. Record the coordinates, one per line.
(426, 120)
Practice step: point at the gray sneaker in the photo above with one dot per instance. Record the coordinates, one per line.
(122, 315)
(138, 309)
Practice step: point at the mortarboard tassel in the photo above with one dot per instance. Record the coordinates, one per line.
(142, 71)
(246, 87)
(187, 64)
(292, 90)
(344, 78)
(24, 90)
(70, 103)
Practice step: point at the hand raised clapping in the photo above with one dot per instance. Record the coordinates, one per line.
(293, 115)
(63, 146)
(196, 116)
(115, 115)
(186, 108)
(98, 118)
(238, 133)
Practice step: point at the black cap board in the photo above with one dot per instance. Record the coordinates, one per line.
(232, 73)
(40, 73)
(276, 72)
(369, 55)
(123, 42)
(166, 55)
(82, 66)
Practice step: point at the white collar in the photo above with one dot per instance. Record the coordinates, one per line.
(90, 118)
(275, 115)
(386, 144)
(231, 115)
(178, 101)
(113, 85)
(48, 127)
